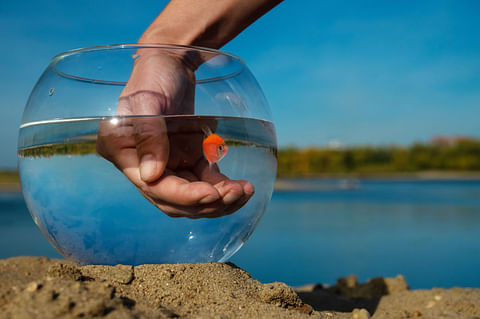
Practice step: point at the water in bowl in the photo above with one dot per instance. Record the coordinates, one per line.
(92, 214)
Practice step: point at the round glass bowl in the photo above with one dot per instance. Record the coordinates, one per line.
(81, 115)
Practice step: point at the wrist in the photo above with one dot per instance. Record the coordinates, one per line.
(166, 35)
(189, 57)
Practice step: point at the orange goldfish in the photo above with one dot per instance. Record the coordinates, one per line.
(214, 147)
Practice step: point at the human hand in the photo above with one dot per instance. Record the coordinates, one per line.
(163, 156)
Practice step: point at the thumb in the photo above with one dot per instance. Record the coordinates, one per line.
(152, 146)
(149, 131)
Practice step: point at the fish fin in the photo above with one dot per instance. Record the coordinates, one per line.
(206, 130)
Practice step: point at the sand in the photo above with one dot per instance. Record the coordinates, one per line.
(38, 287)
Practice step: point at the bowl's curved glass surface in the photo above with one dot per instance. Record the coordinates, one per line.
(87, 208)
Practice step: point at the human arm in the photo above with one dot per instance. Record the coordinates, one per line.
(180, 183)
(204, 23)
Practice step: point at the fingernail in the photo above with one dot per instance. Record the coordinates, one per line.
(148, 167)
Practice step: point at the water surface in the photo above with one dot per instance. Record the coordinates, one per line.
(426, 230)
(429, 231)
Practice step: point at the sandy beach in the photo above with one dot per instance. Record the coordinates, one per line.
(38, 287)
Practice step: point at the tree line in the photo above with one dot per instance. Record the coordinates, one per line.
(461, 155)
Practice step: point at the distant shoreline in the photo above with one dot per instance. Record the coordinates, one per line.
(9, 181)
(350, 181)
(10, 187)
(420, 175)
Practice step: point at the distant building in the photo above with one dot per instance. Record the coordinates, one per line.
(448, 140)
(334, 144)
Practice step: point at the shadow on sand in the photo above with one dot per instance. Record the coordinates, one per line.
(348, 294)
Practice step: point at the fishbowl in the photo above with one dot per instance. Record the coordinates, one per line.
(136, 154)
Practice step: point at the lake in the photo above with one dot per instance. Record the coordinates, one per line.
(429, 231)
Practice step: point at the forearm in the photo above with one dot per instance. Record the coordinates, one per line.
(206, 23)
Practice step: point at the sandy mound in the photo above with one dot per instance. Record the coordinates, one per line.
(33, 287)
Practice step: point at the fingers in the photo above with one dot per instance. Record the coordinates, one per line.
(180, 191)
(229, 190)
(181, 194)
(211, 210)
(232, 194)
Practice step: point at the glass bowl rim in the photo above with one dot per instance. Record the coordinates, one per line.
(73, 52)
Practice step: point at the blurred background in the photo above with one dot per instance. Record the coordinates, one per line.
(376, 103)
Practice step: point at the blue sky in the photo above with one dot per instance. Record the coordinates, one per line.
(369, 72)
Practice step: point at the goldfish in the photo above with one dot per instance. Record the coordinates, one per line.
(214, 147)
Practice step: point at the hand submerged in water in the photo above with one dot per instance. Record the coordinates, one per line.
(163, 157)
